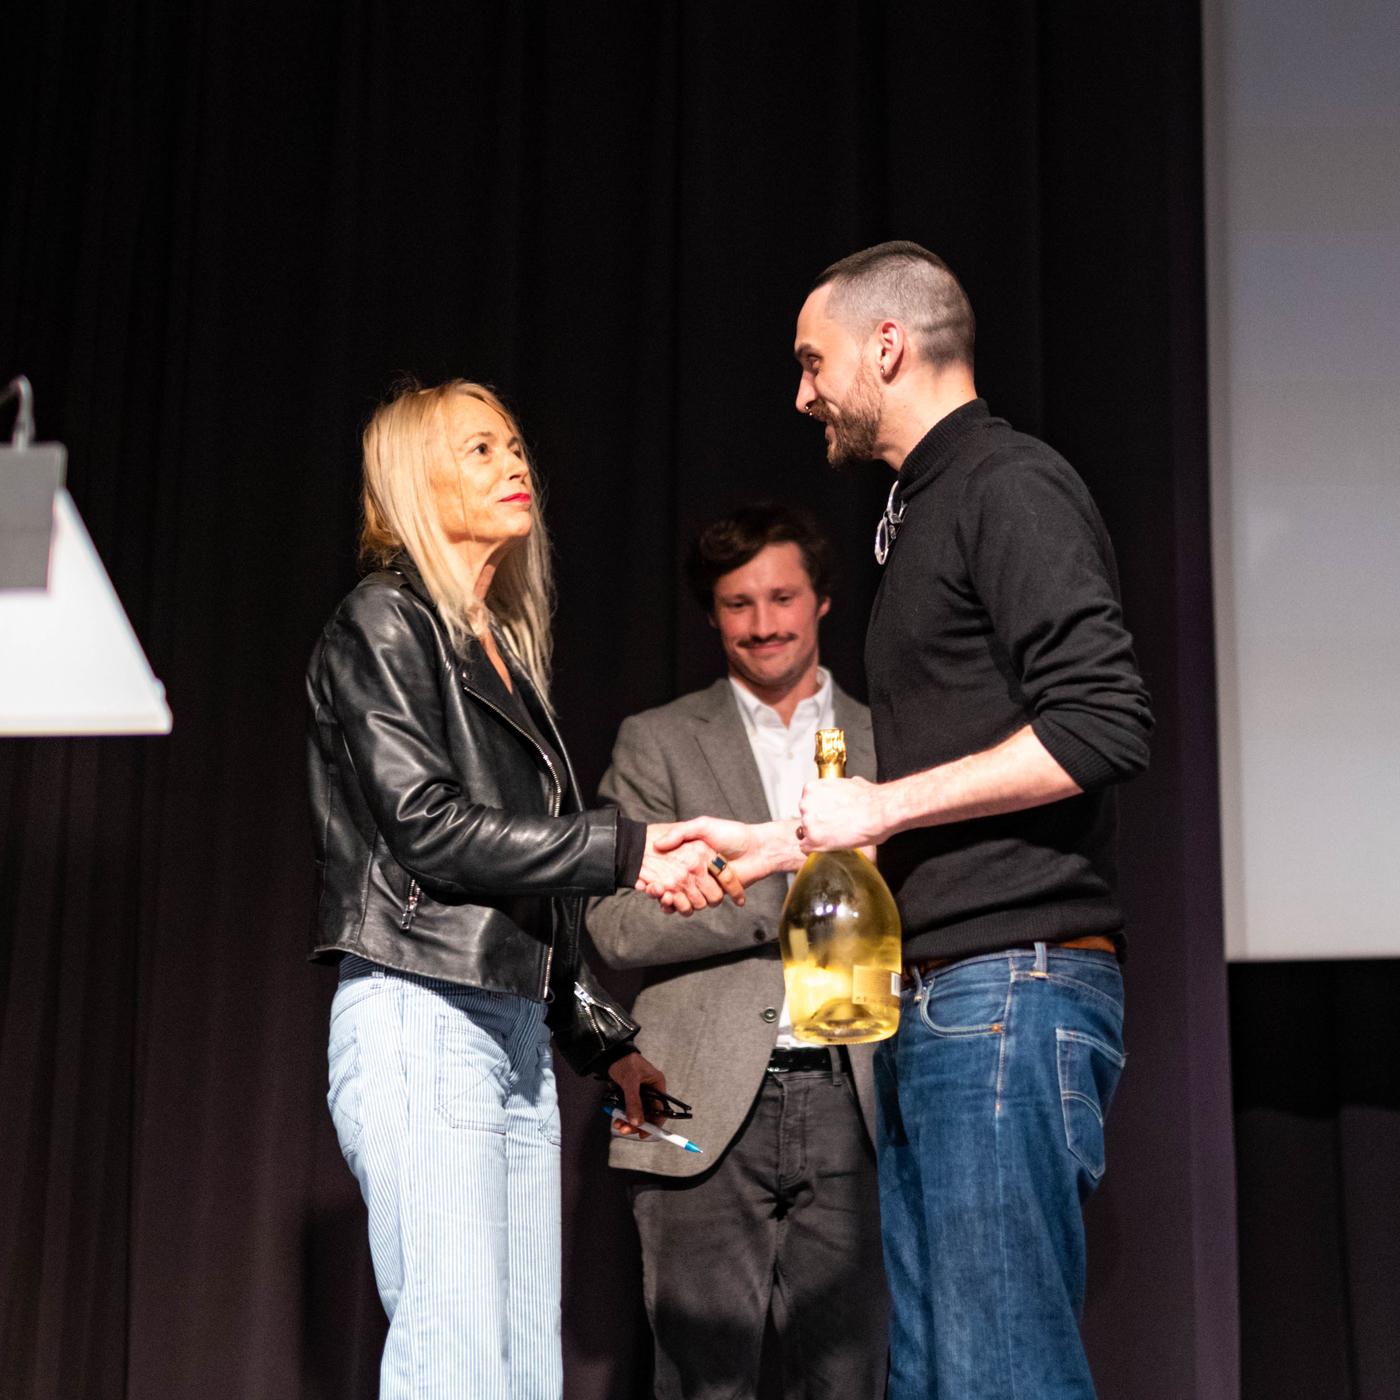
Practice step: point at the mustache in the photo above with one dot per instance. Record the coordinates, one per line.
(755, 641)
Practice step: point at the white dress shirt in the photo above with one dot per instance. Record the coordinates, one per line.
(786, 758)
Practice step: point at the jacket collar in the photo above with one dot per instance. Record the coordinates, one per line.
(403, 565)
(860, 750)
(468, 670)
(725, 745)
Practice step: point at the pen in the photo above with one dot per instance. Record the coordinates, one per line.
(650, 1130)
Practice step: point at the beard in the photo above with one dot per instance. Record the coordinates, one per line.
(855, 425)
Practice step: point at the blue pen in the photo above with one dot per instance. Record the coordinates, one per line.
(650, 1130)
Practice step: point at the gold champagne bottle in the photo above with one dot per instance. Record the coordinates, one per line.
(840, 938)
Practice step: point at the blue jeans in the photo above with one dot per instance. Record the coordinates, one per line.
(443, 1099)
(992, 1097)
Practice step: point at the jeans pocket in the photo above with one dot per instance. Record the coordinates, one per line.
(471, 1068)
(550, 1125)
(353, 992)
(1089, 1070)
(343, 1093)
(951, 1010)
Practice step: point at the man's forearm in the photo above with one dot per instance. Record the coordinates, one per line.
(779, 847)
(1018, 773)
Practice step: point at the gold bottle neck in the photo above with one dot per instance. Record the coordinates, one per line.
(831, 753)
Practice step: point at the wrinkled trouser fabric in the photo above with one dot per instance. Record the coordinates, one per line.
(992, 1097)
(444, 1102)
(787, 1221)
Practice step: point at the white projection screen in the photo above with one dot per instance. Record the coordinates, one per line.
(1302, 115)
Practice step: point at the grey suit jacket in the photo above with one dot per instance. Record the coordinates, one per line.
(714, 981)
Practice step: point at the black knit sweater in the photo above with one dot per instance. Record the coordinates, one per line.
(999, 608)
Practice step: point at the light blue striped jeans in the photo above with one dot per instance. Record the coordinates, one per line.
(444, 1102)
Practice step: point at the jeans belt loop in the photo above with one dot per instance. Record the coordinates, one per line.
(920, 974)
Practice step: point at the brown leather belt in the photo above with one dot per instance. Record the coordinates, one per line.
(1095, 942)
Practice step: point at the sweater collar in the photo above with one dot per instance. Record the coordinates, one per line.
(932, 453)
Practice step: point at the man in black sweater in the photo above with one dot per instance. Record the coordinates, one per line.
(1006, 703)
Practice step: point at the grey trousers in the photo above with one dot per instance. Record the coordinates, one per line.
(787, 1220)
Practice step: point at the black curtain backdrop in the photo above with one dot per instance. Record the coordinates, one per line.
(1317, 1101)
(227, 228)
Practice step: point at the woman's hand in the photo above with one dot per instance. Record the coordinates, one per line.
(629, 1073)
(681, 873)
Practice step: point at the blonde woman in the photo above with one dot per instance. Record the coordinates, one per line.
(454, 854)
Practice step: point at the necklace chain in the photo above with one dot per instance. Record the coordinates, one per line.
(888, 527)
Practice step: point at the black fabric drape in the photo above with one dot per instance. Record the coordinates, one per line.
(227, 228)
(1317, 1103)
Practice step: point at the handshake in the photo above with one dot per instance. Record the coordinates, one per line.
(693, 864)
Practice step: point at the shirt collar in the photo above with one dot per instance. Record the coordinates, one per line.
(759, 714)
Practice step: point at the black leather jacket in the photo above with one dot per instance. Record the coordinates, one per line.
(448, 844)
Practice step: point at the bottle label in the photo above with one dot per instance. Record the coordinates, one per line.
(877, 984)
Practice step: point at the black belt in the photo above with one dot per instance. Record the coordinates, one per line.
(785, 1061)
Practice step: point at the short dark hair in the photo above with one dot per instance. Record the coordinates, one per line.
(731, 541)
(904, 281)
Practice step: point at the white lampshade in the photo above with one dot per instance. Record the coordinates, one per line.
(69, 661)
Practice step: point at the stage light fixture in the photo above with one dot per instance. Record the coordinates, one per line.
(69, 660)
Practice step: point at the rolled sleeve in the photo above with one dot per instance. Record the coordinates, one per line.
(1042, 565)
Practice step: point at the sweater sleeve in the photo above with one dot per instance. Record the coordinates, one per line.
(1042, 566)
(631, 851)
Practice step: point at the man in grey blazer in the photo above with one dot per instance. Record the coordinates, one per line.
(778, 1215)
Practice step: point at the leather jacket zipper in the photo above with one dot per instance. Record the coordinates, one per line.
(556, 792)
(411, 908)
(556, 795)
(556, 785)
(595, 1007)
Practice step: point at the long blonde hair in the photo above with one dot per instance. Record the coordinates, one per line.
(400, 515)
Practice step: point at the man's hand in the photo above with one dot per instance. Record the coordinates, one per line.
(841, 816)
(677, 870)
(629, 1073)
(1017, 774)
(752, 851)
